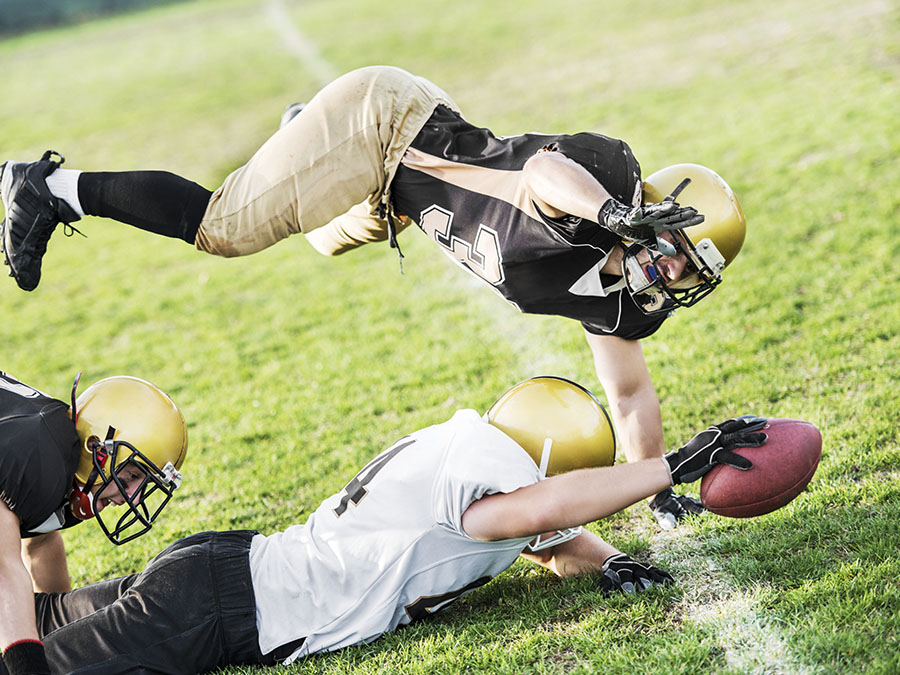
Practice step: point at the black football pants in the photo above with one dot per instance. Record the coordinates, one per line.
(191, 610)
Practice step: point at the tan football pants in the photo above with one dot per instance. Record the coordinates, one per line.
(326, 172)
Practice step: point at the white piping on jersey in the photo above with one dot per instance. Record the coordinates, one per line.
(54, 522)
(590, 284)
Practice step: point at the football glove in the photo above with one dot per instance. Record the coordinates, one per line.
(669, 508)
(622, 573)
(713, 446)
(644, 224)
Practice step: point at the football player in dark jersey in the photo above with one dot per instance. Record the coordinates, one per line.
(557, 224)
(56, 472)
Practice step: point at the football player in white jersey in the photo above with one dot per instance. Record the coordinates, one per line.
(436, 515)
(555, 223)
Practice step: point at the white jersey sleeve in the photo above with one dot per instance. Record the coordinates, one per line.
(389, 548)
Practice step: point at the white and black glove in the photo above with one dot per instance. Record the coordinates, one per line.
(669, 508)
(644, 224)
(713, 446)
(622, 573)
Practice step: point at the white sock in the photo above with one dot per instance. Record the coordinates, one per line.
(63, 183)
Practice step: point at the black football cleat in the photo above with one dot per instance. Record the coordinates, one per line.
(32, 214)
(290, 113)
(669, 508)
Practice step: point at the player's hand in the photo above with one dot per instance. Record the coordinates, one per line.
(621, 573)
(644, 224)
(669, 508)
(713, 446)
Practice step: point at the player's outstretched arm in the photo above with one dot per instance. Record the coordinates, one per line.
(580, 497)
(563, 501)
(17, 622)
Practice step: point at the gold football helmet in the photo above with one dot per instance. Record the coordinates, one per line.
(562, 427)
(126, 422)
(710, 246)
(560, 424)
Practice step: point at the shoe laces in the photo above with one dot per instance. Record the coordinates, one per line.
(70, 230)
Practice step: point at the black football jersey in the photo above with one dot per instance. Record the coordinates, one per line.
(463, 186)
(39, 453)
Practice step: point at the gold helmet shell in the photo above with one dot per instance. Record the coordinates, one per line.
(560, 424)
(140, 412)
(708, 247)
(724, 222)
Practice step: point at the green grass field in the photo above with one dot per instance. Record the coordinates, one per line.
(293, 369)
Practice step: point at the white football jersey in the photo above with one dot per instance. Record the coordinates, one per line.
(390, 547)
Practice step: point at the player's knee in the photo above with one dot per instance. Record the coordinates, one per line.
(326, 243)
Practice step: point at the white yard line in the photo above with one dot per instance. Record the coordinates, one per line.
(751, 642)
(297, 44)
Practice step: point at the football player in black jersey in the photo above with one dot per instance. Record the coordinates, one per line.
(557, 224)
(124, 448)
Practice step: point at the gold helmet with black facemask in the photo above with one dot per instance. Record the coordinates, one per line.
(127, 427)
(709, 247)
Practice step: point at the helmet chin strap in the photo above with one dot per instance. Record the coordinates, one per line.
(81, 501)
(74, 404)
(545, 456)
(539, 543)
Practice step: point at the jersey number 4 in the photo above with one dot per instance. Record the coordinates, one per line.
(356, 489)
(481, 256)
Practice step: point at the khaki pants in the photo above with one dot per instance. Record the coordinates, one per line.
(326, 172)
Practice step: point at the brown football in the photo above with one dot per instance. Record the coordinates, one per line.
(782, 467)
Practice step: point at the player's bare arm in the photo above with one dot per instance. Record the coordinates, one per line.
(632, 398)
(562, 187)
(566, 500)
(45, 559)
(17, 620)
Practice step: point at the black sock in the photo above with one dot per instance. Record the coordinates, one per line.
(156, 201)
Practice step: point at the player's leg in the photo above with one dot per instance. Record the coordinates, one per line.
(40, 195)
(190, 610)
(53, 610)
(341, 149)
(352, 229)
(155, 201)
(344, 147)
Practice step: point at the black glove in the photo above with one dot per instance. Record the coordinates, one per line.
(669, 508)
(714, 446)
(621, 573)
(644, 224)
